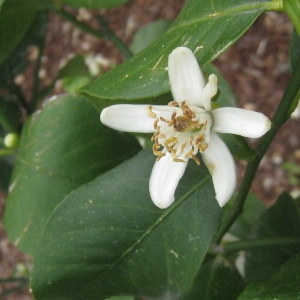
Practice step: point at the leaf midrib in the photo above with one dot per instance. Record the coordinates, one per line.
(162, 217)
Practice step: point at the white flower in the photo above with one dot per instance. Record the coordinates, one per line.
(187, 126)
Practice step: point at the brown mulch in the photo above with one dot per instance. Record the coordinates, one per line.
(257, 68)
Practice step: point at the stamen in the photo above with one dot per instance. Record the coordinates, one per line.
(173, 103)
(171, 140)
(150, 113)
(191, 139)
(196, 159)
(178, 160)
(203, 147)
(188, 154)
(182, 135)
(182, 147)
(164, 120)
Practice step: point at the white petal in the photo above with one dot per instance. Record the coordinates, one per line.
(220, 164)
(240, 121)
(126, 117)
(186, 79)
(164, 179)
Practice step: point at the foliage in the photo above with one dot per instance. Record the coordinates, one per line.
(77, 191)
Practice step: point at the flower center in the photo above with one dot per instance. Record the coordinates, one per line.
(184, 135)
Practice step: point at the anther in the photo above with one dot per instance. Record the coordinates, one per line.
(155, 123)
(182, 147)
(173, 103)
(150, 113)
(178, 160)
(196, 159)
(189, 154)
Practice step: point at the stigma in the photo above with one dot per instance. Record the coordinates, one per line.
(184, 134)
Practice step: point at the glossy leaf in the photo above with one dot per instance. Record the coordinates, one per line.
(283, 285)
(16, 16)
(279, 221)
(63, 146)
(94, 4)
(207, 27)
(114, 241)
(217, 280)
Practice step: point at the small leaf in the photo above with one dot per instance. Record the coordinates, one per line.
(73, 83)
(94, 4)
(279, 221)
(62, 147)
(74, 67)
(114, 241)
(283, 285)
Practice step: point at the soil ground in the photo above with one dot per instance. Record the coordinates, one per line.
(256, 67)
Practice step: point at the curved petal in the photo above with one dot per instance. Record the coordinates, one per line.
(186, 79)
(126, 117)
(221, 166)
(164, 179)
(240, 121)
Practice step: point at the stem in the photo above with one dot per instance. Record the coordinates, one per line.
(6, 123)
(107, 33)
(6, 151)
(36, 83)
(281, 116)
(16, 90)
(258, 243)
(111, 36)
(14, 279)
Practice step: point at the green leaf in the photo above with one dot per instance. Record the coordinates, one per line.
(283, 285)
(249, 219)
(62, 147)
(114, 241)
(73, 83)
(292, 9)
(217, 280)
(279, 221)
(148, 34)
(74, 74)
(207, 27)
(1, 3)
(94, 4)
(16, 16)
(74, 67)
(18, 61)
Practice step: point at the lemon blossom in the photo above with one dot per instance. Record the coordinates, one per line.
(187, 126)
